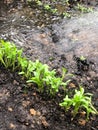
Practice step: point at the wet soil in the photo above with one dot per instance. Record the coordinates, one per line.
(22, 107)
(59, 45)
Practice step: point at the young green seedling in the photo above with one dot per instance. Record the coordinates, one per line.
(82, 58)
(79, 101)
(23, 64)
(40, 71)
(8, 54)
(54, 82)
(46, 79)
(42, 76)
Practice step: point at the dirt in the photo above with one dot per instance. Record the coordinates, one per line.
(23, 107)
(59, 45)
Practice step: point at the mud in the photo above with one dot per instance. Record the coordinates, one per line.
(75, 36)
(59, 45)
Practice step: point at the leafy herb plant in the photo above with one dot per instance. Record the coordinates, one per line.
(35, 72)
(79, 101)
(84, 9)
(9, 54)
(82, 58)
(46, 79)
(23, 64)
(39, 72)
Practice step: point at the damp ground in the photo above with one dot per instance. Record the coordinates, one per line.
(59, 44)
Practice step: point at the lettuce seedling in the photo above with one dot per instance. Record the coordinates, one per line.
(35, 72)
(8, 54)
(30, 69)
(53, 83)
(1, 58)
(79, 101)
(82, 58)
(40, 71)
(44, 78)
(23, 64)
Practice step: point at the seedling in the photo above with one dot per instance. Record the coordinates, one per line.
(47, 7)
(79, 101)
(84, 9)
(36, 72)
(66, 15)
(43, 77)
(39, 72)
(46, 79)
(82, 58)
(9, 54)
(23, 63)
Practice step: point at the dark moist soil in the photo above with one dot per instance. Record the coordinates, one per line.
(22, 107)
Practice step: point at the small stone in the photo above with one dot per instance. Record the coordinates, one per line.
(12, 126)
(32, 112)
(82, 122)
(32, 126)
(42, 35)
(25, 103)
(34, 94)
(26, 123)
(38, 113)
(10, 109)
(72, 85)
(83, 113)
(15, 82)
(44, 122)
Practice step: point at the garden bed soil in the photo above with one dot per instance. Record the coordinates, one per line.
(60, 45)
(23, 107)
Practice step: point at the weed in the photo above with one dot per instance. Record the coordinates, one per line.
(79, 101)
